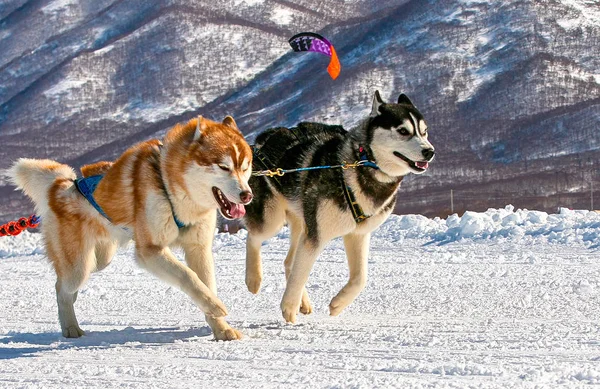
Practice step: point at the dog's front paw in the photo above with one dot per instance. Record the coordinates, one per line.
(289, 311)
(253, 282)
(305, 306)
(72, 332)
(229, 333)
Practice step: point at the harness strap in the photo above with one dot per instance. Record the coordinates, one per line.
(366, 159)
(299, 133)
(265, 162)
(87, 186)
(178, 222)
(357, 211)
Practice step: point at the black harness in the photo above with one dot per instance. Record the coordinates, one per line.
(365, 159)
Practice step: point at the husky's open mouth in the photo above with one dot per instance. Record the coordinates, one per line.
(419, 166)
(229, 209)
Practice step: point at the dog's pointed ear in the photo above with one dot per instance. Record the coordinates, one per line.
(377, 101)
(200, 127)
(403, 99)
(229, 122)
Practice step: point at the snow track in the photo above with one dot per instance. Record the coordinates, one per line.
(496, 299)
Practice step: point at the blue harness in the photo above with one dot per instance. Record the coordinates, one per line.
(87, 186)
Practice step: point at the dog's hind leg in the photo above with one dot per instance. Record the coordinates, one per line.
(73, 266)
(357, 252)
(305, 257)
(104, 253)
(197, 244)
(296, 231)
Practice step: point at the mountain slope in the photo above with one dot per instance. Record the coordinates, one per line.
(510, 88)
(508, 97)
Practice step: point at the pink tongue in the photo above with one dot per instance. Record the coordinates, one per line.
(237, 211)
(422, 165)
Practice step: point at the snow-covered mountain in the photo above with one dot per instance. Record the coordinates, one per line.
(511, 89)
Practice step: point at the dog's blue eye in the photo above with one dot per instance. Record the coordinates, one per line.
(223, 167)
(403, 131)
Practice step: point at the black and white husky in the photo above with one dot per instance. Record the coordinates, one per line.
(319, 205)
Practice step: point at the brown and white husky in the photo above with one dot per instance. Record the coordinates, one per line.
(159, 194)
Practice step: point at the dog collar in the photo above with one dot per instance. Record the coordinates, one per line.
(366, 157)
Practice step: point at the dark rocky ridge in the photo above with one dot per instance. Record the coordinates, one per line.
(511, 89)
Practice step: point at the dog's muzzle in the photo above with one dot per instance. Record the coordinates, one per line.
(428, 154)
(417, 166)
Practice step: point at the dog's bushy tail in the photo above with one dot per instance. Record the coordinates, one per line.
(35, 176)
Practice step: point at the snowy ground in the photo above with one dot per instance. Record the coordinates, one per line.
(496, 299)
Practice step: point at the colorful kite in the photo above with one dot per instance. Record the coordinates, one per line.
(309, 41)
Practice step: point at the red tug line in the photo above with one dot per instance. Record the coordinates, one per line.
(15, 227)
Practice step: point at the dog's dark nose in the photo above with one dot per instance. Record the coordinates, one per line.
(428, 154)
(246, 196)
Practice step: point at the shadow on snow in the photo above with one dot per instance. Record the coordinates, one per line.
(42, 342)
